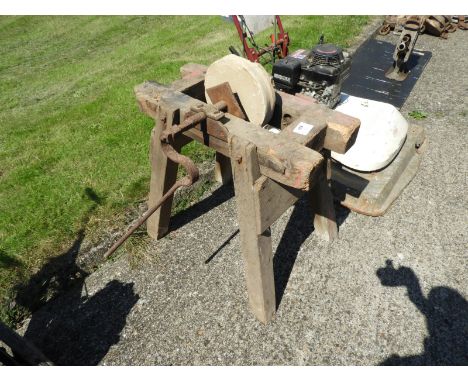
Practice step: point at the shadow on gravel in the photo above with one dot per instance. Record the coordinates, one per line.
(80, 330)
(220, 248)
(75, 330)
(298, 229)
(218, 197)
(446, 313)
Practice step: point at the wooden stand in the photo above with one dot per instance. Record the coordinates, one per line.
(255, 239)
(270, 171)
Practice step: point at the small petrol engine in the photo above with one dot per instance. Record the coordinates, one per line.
(318, 72)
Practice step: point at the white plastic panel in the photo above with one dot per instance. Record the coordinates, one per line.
(382, 133)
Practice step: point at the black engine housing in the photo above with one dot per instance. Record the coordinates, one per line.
(287, 71)
(318, 72)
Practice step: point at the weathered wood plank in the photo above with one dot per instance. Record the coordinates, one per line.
(256, 248)
(163, 176)
(272, 199)
(315, 137)
(280, 158)
(341, 129)
(292, 105)
(323, 210)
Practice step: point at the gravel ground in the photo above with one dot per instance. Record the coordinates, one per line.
(183, 301)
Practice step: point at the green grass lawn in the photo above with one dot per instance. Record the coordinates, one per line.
(73, 144)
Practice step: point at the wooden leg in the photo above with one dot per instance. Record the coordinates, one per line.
(323, 209)
(163, 176)
(223, 171)
(256, 248)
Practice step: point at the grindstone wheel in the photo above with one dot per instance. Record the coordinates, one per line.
(249, 81)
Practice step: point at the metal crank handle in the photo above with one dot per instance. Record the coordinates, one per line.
(186, 181)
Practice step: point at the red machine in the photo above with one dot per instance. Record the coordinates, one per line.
(279, 41)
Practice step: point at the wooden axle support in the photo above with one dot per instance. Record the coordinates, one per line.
(271, 171)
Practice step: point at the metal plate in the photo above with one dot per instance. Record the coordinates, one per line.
(372, 193)
(367, 78)
(223, 92)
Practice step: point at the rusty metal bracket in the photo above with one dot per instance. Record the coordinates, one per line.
(223, 92)
(211, 111)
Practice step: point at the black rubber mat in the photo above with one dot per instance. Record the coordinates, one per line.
(367, 78)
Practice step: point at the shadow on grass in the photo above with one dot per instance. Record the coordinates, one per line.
(446, 313)
(75, 329)
(7, 261)
(60, 272)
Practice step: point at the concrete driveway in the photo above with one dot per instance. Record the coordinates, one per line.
(391, 290)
